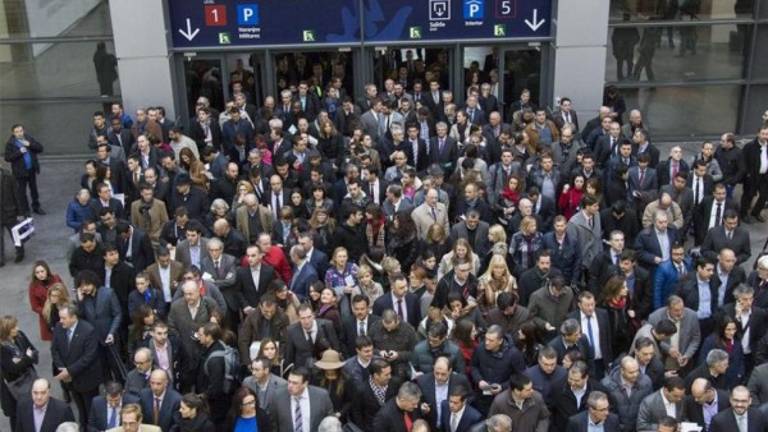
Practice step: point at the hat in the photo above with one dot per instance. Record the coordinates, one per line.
(183, 179)
(330, 360)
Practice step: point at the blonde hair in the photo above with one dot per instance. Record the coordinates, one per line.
(7, 323)
(63, 299)
(527, 223)
(497, 234)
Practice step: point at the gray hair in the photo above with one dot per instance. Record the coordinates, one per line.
(409, 391)
(298, 251)
(215, 243)
(594, 397)
(219, 203)
(68, 427)
(499, 422)
(763, 262)
(716, 356)
(569, 327)
(330, 424)
(742, 290)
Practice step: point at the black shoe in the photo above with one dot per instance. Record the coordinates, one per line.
(39, 211)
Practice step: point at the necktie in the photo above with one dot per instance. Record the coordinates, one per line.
(642, 176)
(697, 191)
(568, 117)
(434, 214)
(441, 143)
(454, 422)
(309, 337)
(681, 269)
(70, 334)
(217, 267)
(112, 418)
(361, 328)
(298, 425)
(718, 214)
(156, 411)
(742, 422)
(591, 222)
(278, 205)
(675, 168)
(370, 192)
(729, 235)
(590, 332)
(400, 309)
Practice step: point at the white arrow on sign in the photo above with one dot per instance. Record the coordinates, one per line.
(189, 34)
(533, 25)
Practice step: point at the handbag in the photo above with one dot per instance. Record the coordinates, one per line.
(21, 387)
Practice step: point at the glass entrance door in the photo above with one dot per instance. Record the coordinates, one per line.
(522, 71)
(204, 77)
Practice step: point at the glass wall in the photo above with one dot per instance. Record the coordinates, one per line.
(703, 52)
(57, 67)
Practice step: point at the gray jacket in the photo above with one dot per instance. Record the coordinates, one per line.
(627, 407)
(652, 410)
(590, 240)
(274, 384)
(690, 333)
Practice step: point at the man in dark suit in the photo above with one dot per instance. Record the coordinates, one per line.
(105, 410)
(443, 150)
(729, 235)
(400, 412)
(700, 181)
(368, 393)
(104, 199)
(405, 304)
(304, 274)
(597, 327)
(442, 376)
(21, 152)
(55, 411)
(458, 414)
(316, 257)
(596, 415)
(704, 397)
(418, 156)
(134, 246)
(690, 292)
(710, 213)
(654, 244)
(298, 396)
(751, 321)
(76, 359)
(571, 398)
(251, 282)
(119, 136)
(160, 402)
(727, 275)
(308, 338)
(359, 325)
(756, 176)
(740, 416)
(570, 338)
(668, 169)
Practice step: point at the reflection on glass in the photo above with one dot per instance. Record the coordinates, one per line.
(48, 18)
(82, 69)
(522, 71)
(317, 69)
(708, 110)
(203, 78)
(697, 53)
(679, 10)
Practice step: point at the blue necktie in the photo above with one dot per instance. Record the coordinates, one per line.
(112, 418)
(590, 333)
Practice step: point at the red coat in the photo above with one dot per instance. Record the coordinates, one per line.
(569, 202)
(275, 257)
(38, 294)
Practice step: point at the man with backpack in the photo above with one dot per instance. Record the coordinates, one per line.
(217, 376)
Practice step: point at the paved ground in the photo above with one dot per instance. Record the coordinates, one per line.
(59, 181)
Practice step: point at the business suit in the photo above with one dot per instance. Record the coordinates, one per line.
(649, 184)
(300, 351)
(224, 277)
(410, 304)
(604, 338)
(176, 271)
(114, 205)
(689, 292)
(758, 384)
(242, 221)
(274, 384)
(319, 261)
(716, 240)
(247, 293)
(469, 418)
(183, 255)
(25, 176)
(280, 413)
(736, 277)
(98, 419)
(647, 246)
(446, 157)
(754, 182)
(422, 218)
(703, 213)
(169, 408)
(366, 404)
(725, 421)
(664, 171)
(351, 333)
(652, 410)
(580, 423)
(181, 320)
(481, 244)
(390, 418)
(142, 253)
(56, 413)
(690, 332)
(370, 123)
(80, 357)
(426, 383)
(694, 412)
(302, 279)
(590, 239)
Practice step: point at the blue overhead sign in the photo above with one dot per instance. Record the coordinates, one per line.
(212, 23)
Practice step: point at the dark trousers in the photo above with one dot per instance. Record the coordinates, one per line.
(754, 186)
(620, 62)
(83, 403)
(22, 184)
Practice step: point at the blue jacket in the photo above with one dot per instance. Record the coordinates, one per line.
(302, 280)
(665, 281)
(103, 312)
(77, 213)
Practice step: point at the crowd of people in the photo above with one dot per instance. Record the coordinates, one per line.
(399, 264)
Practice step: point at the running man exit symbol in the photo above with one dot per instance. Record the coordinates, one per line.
(308, 35)
(499, 30)
(414, 32)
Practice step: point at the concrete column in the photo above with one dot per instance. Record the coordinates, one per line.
(141, 47)
(580, 50)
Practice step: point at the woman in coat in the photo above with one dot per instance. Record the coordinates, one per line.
(402, 240)
(724, 338)
(42, 280)
(17, 357)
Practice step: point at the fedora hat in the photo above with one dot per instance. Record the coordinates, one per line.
(329, 361)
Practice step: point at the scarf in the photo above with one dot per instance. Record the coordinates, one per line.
(618, 303)
(510, 195)
(379, 392)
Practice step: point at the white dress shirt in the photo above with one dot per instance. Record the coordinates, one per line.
(304, 406)
(595, 332)
(670, 407)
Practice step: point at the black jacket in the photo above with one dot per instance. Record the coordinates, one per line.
(15, 157)
(57, 412)
(80, 356)
(10, 204)
(353, 239)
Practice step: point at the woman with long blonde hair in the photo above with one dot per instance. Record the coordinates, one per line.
(496, 280)
(58, 296)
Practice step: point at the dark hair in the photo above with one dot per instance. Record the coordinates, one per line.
(87, 277)
(461, 391)
(362, 342)
(518, 381)
(665, 327)
(674, 382)
(357, 298)
(377, 365)
(302, 372)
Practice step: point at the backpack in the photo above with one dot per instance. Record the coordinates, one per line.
(231, 367)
